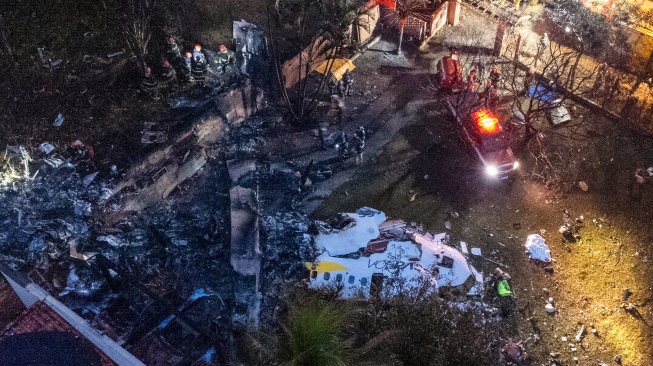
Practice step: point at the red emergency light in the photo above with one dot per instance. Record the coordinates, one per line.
(487, 123)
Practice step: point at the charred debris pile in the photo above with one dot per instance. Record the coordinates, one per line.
(159, 280)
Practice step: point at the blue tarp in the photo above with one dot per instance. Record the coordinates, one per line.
(542, 93)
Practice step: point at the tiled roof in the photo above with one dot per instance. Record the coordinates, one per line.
(9, 303)
(41, 318)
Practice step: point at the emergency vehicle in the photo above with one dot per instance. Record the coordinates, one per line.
(449, 73)
(364, 255)
(483, 133)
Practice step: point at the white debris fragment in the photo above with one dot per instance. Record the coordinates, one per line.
(536, 246)
(89, 178)
(563, 338)
(476, 251)
(59, 120)
(111, 240)
(463, 247)
(46, 147)
(549, 308)
(580, 333)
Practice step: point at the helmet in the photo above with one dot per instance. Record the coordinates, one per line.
(495, 68)
(198, 47)
(166, 63)
(188, 54)
(223, 47)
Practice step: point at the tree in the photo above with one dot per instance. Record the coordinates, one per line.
(581, 28)
(317, 329)
(135, 18)
(304, 33)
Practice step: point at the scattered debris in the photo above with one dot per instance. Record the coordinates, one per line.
(476, 251)
(580, 334)
(152, 134)
(46, 147)
(115, 54)
(549, 306)
(89, 178)
(59, 120)
(537, 248)
(463, 248)
(582, 185)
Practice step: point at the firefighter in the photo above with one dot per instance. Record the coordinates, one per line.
(199, 69)
(472, 80)
(169, 75)
(486, 94)
(224, 57)
(188, 66)
(197, 52)
(323, 132)
(495, 77)
(149, 85)
(359, 144)
(492, 98)
(480, 66)
(337, 108)
(174, 52)
(348, 81)
(332, 84)
(342, 146)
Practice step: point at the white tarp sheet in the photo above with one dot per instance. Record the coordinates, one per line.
(536, 246)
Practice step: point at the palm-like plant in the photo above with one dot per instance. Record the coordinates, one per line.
(314, 336)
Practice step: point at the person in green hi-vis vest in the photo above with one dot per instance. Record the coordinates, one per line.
(503, 288)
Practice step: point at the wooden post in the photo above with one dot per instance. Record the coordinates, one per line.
(516, 57)
(498, 40)
(453, 12)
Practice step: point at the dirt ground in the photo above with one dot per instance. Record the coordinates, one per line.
(426, 175)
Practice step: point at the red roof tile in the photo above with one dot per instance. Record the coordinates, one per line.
(41, 318)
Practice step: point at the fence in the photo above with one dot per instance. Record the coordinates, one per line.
(601, 85)
(419, 27)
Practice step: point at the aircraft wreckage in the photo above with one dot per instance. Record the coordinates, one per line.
(363, 254)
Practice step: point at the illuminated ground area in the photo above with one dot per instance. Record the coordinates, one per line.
(425, 162)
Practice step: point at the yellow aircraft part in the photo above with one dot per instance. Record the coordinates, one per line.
(325, 266)
(340, 65)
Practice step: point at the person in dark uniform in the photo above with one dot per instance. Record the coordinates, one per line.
(348, 81)
(359, 144)
(199, 70)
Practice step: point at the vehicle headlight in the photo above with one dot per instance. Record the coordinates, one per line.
(492, 171)
(515, 165)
